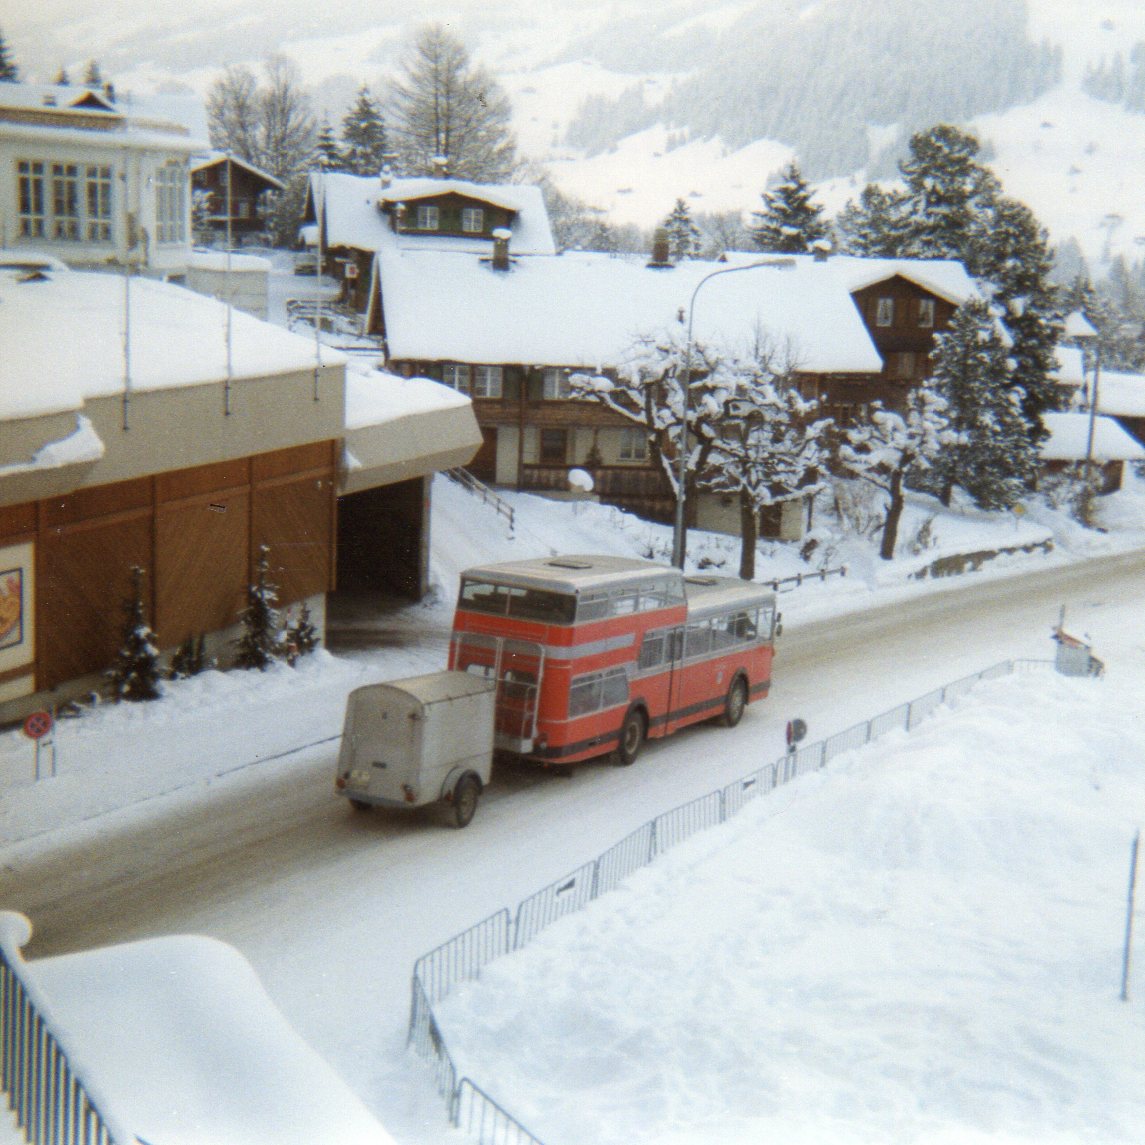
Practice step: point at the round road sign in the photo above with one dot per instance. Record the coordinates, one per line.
(38, 724)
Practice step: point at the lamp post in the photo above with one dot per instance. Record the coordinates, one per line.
(1078, 327)
(678, 532)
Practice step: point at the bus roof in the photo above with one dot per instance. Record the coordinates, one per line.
(570, 574)
(709, 594)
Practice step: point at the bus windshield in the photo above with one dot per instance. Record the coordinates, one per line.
(516, 601)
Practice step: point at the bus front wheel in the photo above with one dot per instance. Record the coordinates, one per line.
(735, 703)
(632, 733)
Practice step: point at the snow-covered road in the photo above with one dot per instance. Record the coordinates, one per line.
(332, 908)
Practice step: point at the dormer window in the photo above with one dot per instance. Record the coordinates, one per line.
(428, 218)
(472, 220)
(885, 312)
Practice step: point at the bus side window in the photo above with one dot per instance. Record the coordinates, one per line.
(742, 625)
(698, 641)
(767, 622)
(593, 606)
(625, 601)
(652, 649)
(584, 695)
(615, 689)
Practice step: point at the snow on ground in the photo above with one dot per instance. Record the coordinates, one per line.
(920, 944)
(126, 766)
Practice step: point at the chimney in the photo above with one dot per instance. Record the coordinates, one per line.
(501, 238)
(821, 249)
(386, 175)
(660, 258)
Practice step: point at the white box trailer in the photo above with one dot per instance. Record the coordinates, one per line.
(424, 739)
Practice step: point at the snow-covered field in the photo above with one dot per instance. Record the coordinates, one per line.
(920, 943)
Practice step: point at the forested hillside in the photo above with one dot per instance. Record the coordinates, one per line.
(818, 82)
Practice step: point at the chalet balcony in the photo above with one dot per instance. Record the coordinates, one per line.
(640, 488)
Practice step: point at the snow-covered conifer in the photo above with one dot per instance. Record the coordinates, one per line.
(9, 72)
(994, 459)
(884, 448)
(135, 674)
(327, 150)
(683, 235)
(790, 221)
(364, 142)
(302, 637)
(263, 640)
(875, 226)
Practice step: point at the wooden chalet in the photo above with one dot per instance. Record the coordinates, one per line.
(237, 197)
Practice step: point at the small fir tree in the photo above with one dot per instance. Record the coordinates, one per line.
(9, 72)
(62, 78)
(329, 153)
(364, 142)
(262, 641)
(684, 238)
(135, 674)
(789, 222)
(93, 75)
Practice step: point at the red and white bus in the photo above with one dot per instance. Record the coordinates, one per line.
(594, 654)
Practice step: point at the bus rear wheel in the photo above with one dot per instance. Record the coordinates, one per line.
(632, 733)
(735, 703)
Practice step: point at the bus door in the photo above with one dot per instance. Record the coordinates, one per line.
(517, 666)
(675, 676)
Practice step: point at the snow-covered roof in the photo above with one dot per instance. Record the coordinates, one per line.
(63, 335)
(176, 121)
(586, 310)
(1120, 394)
(1070, 369)
(355, 219)
(1069, 434)
(213, 158)
(209, 259)
(945, 278)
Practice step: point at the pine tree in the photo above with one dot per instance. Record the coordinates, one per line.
(190, 658)
(683, 234)
(9, 72)
(945, 187)
(875, 226)
(262, 641)
(446, 109)
(994, 459)
(364, 140)
(790, 223)
(62, 78)
(329, 153)
(135, 674)
(93, 76)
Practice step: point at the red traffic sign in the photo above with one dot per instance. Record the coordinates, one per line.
(38, 724)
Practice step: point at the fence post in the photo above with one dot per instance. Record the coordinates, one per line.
(1129, 917)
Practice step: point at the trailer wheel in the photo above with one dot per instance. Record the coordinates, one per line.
(735, 703)
(465, 797)
(632, 733)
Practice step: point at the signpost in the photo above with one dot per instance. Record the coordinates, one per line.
(38, 727)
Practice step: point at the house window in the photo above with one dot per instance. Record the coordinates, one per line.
(554, 446)
(428, 218)
(903, 364)
(926, 313)
(472, 220)
(555, 384)
(456, 374)
(171, 203)
(885, 312)
(32, 212)
(487, 381)
(633, 445)
(97, 185)
(66, 201)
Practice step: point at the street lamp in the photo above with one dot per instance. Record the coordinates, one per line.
(1078, 328)
(678, 531)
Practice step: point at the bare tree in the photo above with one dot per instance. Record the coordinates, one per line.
(233, 115)
(448, 111)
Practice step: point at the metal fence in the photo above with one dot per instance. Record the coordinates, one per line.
(51, 1103)
(461, 959)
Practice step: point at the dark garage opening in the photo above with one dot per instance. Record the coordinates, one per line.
(383, 541)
